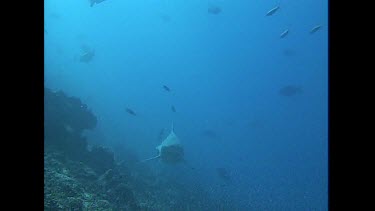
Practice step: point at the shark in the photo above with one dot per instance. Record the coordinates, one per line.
(170, 150)
(87, 54)
(86, 57)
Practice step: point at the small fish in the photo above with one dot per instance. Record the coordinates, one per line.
(130, 111)
(210, 134)
(92, 2)
(282, 35)
(214, 10)
(289, 52)
(166, 88)
(290, 90)
(316, 28)
(165, 18)
(54, 15)
(223, 174)
(272, 11)
(173, 108)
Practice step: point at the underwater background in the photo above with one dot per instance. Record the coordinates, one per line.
(244, 83)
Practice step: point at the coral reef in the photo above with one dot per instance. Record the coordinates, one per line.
(100, 159)
(64, 120)
(66, 189)
(78, 179)
(72, 185)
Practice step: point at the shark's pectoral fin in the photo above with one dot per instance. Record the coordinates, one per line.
(150, 159)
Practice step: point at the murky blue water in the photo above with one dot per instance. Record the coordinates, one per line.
(244, 98)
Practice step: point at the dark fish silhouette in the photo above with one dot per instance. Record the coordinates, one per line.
(165, 18)
(316, 28)
(54, 15)
(272, 11)
(166, 88)
(92, 2)
(210, 134)
(290, 90)
(289, 52)
(173, 108)
(223, 174)
(282, 35)
(87, 54)
(214, 9)
(130, 111)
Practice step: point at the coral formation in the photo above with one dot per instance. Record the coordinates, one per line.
(78, 179)
(64, 120)
(100, 159)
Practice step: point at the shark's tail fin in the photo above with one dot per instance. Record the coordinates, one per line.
(172, 129)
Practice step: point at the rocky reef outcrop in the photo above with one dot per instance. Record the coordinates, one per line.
(80, 179)
(65, 118)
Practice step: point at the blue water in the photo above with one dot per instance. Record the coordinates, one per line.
(224, 70)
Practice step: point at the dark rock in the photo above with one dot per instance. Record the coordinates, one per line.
(65, 118)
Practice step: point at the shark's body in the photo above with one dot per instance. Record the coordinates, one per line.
(170, 150)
